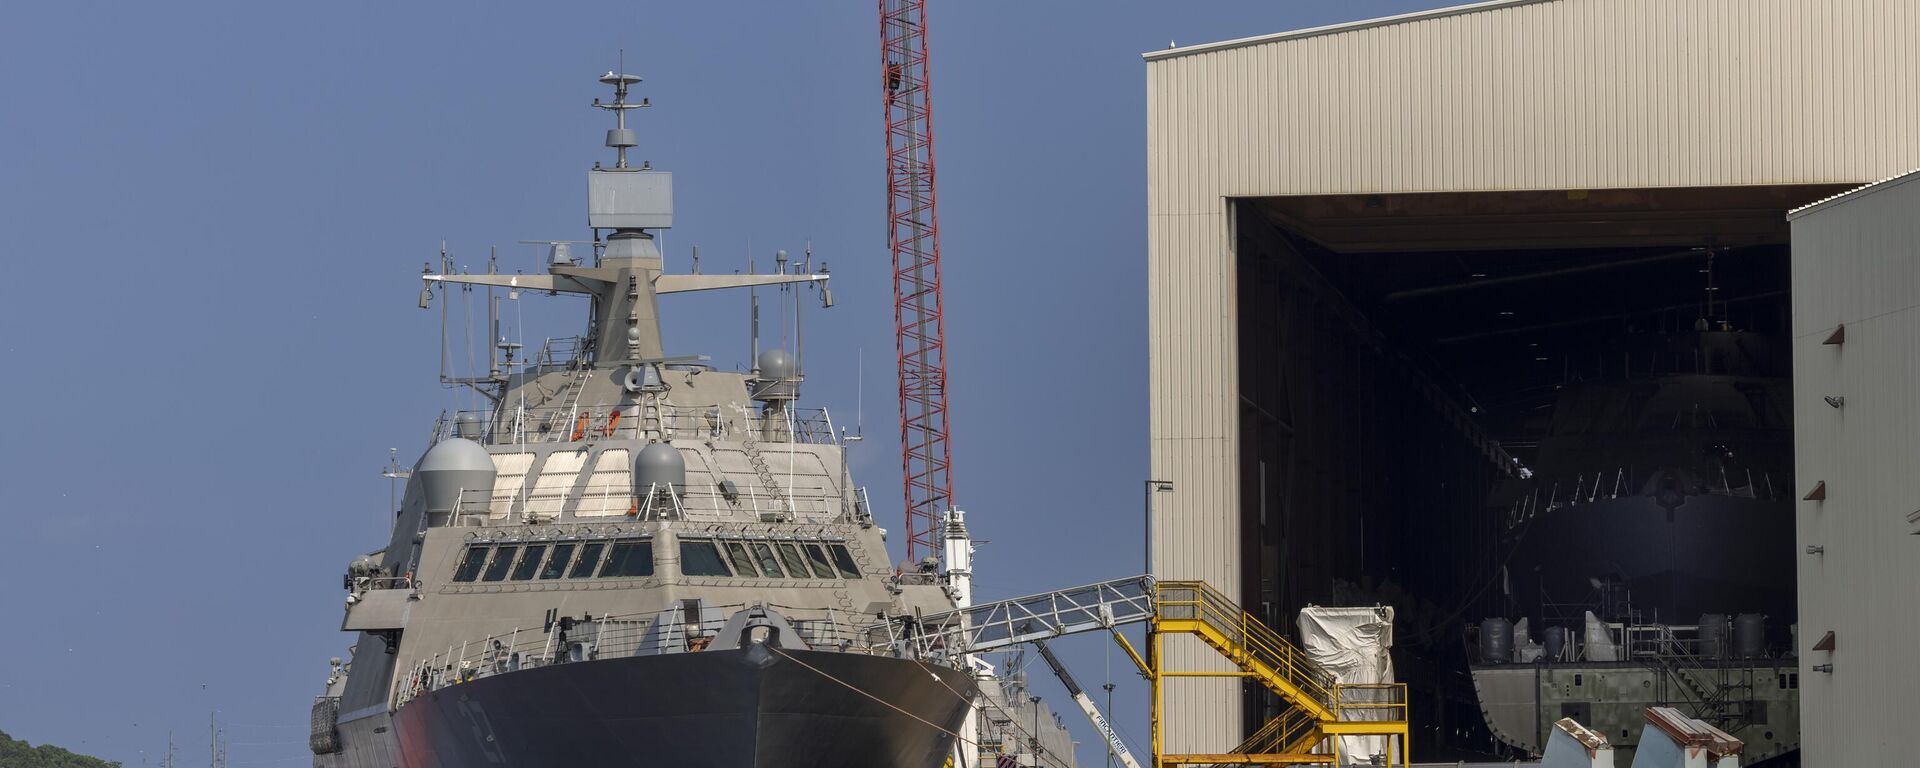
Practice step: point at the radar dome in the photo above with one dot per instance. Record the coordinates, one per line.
(776, 364)
(778, 376)
(468, 425)
(658, 464)
(453, 470)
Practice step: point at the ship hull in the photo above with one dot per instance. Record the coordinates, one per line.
(1522, 701)
(1712, 554)
(732, 708)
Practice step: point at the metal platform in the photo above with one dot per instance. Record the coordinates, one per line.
(1302, 734)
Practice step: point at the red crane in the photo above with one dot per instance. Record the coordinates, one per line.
(913, 233)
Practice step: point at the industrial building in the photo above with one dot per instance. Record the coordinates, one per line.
(1377, 251)
(1856, 339)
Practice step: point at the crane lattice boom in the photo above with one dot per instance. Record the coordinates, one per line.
(913, 233)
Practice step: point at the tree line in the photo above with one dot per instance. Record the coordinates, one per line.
(19, 754)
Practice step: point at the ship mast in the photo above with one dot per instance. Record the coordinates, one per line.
(630, 205)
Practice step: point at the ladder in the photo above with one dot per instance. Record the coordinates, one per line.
(774, 490)
(577, 428)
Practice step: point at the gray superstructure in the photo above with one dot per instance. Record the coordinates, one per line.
(635, 558)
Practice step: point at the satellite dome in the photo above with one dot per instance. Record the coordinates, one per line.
(776, 364)
(454, 470)
(658, 465)
(779, 377)
(468, 425)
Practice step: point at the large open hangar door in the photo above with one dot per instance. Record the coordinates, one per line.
(1401, 357)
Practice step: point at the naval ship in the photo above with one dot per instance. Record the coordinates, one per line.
(636, 558)
(1648, 552)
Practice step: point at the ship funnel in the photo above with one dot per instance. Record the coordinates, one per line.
(456, 472)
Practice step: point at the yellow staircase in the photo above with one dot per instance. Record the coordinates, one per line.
(1318, 707)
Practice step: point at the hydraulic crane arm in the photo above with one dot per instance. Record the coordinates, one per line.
(1086, 705)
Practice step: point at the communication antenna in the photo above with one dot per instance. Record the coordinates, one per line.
(493, 318)
(799, 327)
(443, 312)
(394, 474)
(753, 317)
(620, 137)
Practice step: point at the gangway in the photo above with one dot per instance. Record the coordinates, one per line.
(1318, 706)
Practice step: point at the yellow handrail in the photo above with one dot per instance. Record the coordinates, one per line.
(1250, 639)
(1321, 707)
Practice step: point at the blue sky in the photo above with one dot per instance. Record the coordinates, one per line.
(213, 216)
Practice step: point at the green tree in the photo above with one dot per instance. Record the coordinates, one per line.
(19, 754)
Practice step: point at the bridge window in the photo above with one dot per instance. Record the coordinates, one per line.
(768, 562)
(817, 557)
(743, 562)
(843, 559)
(702, 558)
(629, 559)
(470, 562)
(497, 568)
(589, 557)
(529, 562)
(557, 562)
(796, 562)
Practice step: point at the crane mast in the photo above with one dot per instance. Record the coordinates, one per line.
(1115, 746)
(913, 234)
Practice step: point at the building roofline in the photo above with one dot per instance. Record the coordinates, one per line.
(1331, 29)
(1862, 190)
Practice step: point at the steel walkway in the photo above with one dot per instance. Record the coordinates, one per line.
(1318, 707)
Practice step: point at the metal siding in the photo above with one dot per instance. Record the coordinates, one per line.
(1193, 419)
(1857, 262)
(1573, 94)
(1570, 94)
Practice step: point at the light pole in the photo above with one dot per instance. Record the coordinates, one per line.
(1109, 687)
(1153, 486)
(1035, 735)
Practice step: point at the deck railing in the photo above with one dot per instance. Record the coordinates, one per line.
(511, 425)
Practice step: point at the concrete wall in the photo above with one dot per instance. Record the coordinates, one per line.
(1555, 94)
(1856, 261)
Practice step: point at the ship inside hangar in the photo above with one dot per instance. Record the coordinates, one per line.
(1513, 414)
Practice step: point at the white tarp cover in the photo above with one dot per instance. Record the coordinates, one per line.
(1525, 649)
(1600, 645)
(1352, 644)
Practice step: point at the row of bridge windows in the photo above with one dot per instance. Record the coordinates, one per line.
(630, 558)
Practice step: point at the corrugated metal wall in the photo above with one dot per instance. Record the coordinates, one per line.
(1857, 262)
(1562, 94)
(1546, 95)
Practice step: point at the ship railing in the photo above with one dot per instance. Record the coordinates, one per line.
(514, 425)
(369, 583)
(561, 353)
(1714, 691)
(1635, 641)
(566, 641)
(700, 502)
(1555, 493)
